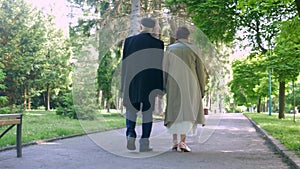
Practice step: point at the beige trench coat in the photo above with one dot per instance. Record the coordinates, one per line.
(185, 84)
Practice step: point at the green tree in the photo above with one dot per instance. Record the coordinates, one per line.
(3, 99)
(101, 13)
(216, 18)
(35, 53)
(54, 66)
(105, 75)
(240, 85)
(84, 83)
(65, 104)
(290, 96)
(261, 21)
(249, 84)
(32, 47)
(285, 61)
(21, 39)
(258, 21)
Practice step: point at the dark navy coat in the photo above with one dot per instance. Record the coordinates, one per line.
(141, 70)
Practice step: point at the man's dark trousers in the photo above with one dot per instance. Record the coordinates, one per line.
(131, 117)
(147, 120)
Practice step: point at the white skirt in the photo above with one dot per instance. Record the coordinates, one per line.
(183, 127)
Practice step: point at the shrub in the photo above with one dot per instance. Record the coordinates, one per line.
(67, 108)
(65, 105)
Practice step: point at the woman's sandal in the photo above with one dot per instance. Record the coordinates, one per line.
(175, 147)
(184, 148)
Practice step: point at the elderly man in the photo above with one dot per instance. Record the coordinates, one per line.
(141, 75)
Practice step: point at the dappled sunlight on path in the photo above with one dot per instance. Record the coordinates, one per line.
(230, 142)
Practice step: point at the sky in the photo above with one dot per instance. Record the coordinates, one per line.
(60, 10)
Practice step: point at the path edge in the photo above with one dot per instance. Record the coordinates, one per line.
(290, 156)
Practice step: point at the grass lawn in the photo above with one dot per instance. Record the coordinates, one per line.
(39, 125)
(285, 130)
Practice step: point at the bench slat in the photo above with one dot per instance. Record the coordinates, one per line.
(8, 122)
(2, 116)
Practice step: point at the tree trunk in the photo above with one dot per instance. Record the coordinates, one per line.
(281, 100)
(29, 104)
(157, 8)
(48, 98)
(210, 101)
(117, 102)
(25, 97)
(220, 104)
(121, 105)
(207, 100)
(28, 99)
(173, 27)
(104, 104)
(159, 105)
(259, 105)
(100, 97)
(263, 107)
(135, 14)
(108, 106)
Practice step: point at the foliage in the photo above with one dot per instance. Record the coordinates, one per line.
(286, 58)
(287, 51)
(290, 96)
(257, 24)
(35, 53)
(66, 106)
(92, 10)
(21, 38)
(68, 109)
(105, 75)
(260, 21)
(53, 63)
(106, 70)
(87, 26)
(85, 83)
(249, 83)
(217, 19)
(3, 99)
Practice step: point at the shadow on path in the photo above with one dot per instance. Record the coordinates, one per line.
(229, 141)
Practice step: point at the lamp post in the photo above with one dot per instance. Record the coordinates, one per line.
(270, 93)
(294, 101)
(270, 87)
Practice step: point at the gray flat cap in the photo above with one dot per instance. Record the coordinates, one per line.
(148, 22)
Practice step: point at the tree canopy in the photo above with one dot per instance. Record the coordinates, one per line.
(35, 55)
(27, 38)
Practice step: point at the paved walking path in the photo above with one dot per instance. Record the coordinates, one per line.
(229, 141)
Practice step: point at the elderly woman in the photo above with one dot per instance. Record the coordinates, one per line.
(185, 84)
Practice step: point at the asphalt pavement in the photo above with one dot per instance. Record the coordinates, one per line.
(228, 141)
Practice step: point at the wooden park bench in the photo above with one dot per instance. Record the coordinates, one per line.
(12, 120)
